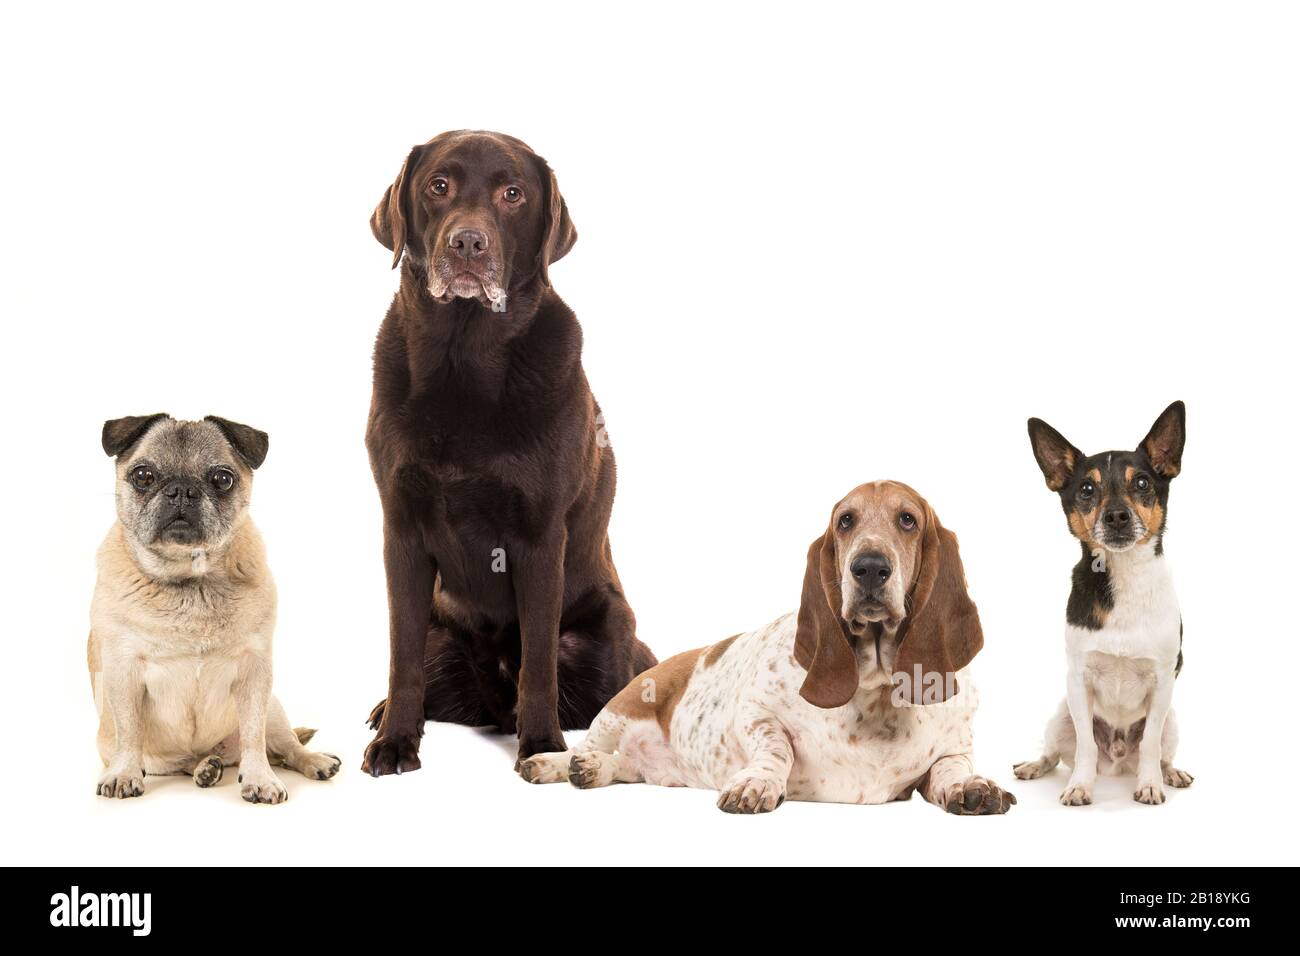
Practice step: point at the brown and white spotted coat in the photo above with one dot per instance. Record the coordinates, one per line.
(824, 704)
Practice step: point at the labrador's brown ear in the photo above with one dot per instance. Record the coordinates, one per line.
(942, 632)
(560, 234)
(1055, 456)
(821, 641)
(1164, 443)
(388, 221)
(250, 444)
(120, 434)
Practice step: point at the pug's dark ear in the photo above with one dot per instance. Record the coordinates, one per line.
(120, 434)
(249, 443)
(821, 641)
(560, 234)
(1056, 457)
(1164, 443)
(388, 221)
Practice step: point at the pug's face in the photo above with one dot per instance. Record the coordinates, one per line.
(182, 486)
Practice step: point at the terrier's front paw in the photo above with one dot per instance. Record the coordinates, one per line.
(745, 794)
(209, 771)
(121, 784)
(261, 786)
(1032, 769)
(976, 796)
(395, 753)
(1151, 793)
(1177, 778)
(1077, 795)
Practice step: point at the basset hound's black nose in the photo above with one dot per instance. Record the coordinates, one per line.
(871, 569)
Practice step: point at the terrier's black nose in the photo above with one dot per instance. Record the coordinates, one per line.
(1117, 518)
(468, 243)
(871, 569)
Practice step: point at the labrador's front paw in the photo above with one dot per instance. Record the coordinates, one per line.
(120, 783)
(392, 753)
(751, 794)
(977, 796)
(317, 766)
(261, 786)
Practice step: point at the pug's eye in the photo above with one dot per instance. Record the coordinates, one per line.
(907, 521)
(223, 479)
(142, 477)
(1087, 490)
(1142, 483)
(512, 194)
(845, 522)
(439, 186)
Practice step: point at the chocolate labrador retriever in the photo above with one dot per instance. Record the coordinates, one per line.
(494, 472)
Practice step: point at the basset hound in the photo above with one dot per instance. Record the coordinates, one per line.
(862, 696)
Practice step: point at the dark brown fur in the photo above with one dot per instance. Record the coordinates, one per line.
(484, 442)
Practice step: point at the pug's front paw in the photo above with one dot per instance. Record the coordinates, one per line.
(120, 783)
(259, 785)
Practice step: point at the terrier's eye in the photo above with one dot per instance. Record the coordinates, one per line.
(1142, 483)
(439, 186)
(142, 477)
(1087, 489)
(512, 194)
(907, 521)
(223, 479)
(845, 522)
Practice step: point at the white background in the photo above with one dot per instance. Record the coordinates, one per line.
(816, 248)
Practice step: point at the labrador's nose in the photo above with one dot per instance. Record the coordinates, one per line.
(468, 243)
(871, 569)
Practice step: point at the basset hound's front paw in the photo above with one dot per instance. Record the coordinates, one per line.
(1177, 778)
(1150, 793)
(751, 794)
(978, 796)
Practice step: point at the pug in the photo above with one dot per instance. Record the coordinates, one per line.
(184, 608)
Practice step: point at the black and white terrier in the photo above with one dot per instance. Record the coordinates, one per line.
(1123, 631)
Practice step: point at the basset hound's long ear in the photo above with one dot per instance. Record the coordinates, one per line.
(560, 234)
(1055, 456)
(821, 642)
(942, 632)
(388, 221)
(120, 434)
(1164, 443)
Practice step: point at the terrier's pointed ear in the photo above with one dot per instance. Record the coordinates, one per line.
(388, 221)
(560, 233)
(120, 434)
(1056, 457)
(1164, 443)
(250, 444)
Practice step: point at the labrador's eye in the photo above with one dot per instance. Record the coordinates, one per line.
(142, 477)
(223, 479)
(907, 521)
(438, 186)
(845, 522)
(512, 194)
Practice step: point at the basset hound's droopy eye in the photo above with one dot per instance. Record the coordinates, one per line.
(907, 521)
(845, 521)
